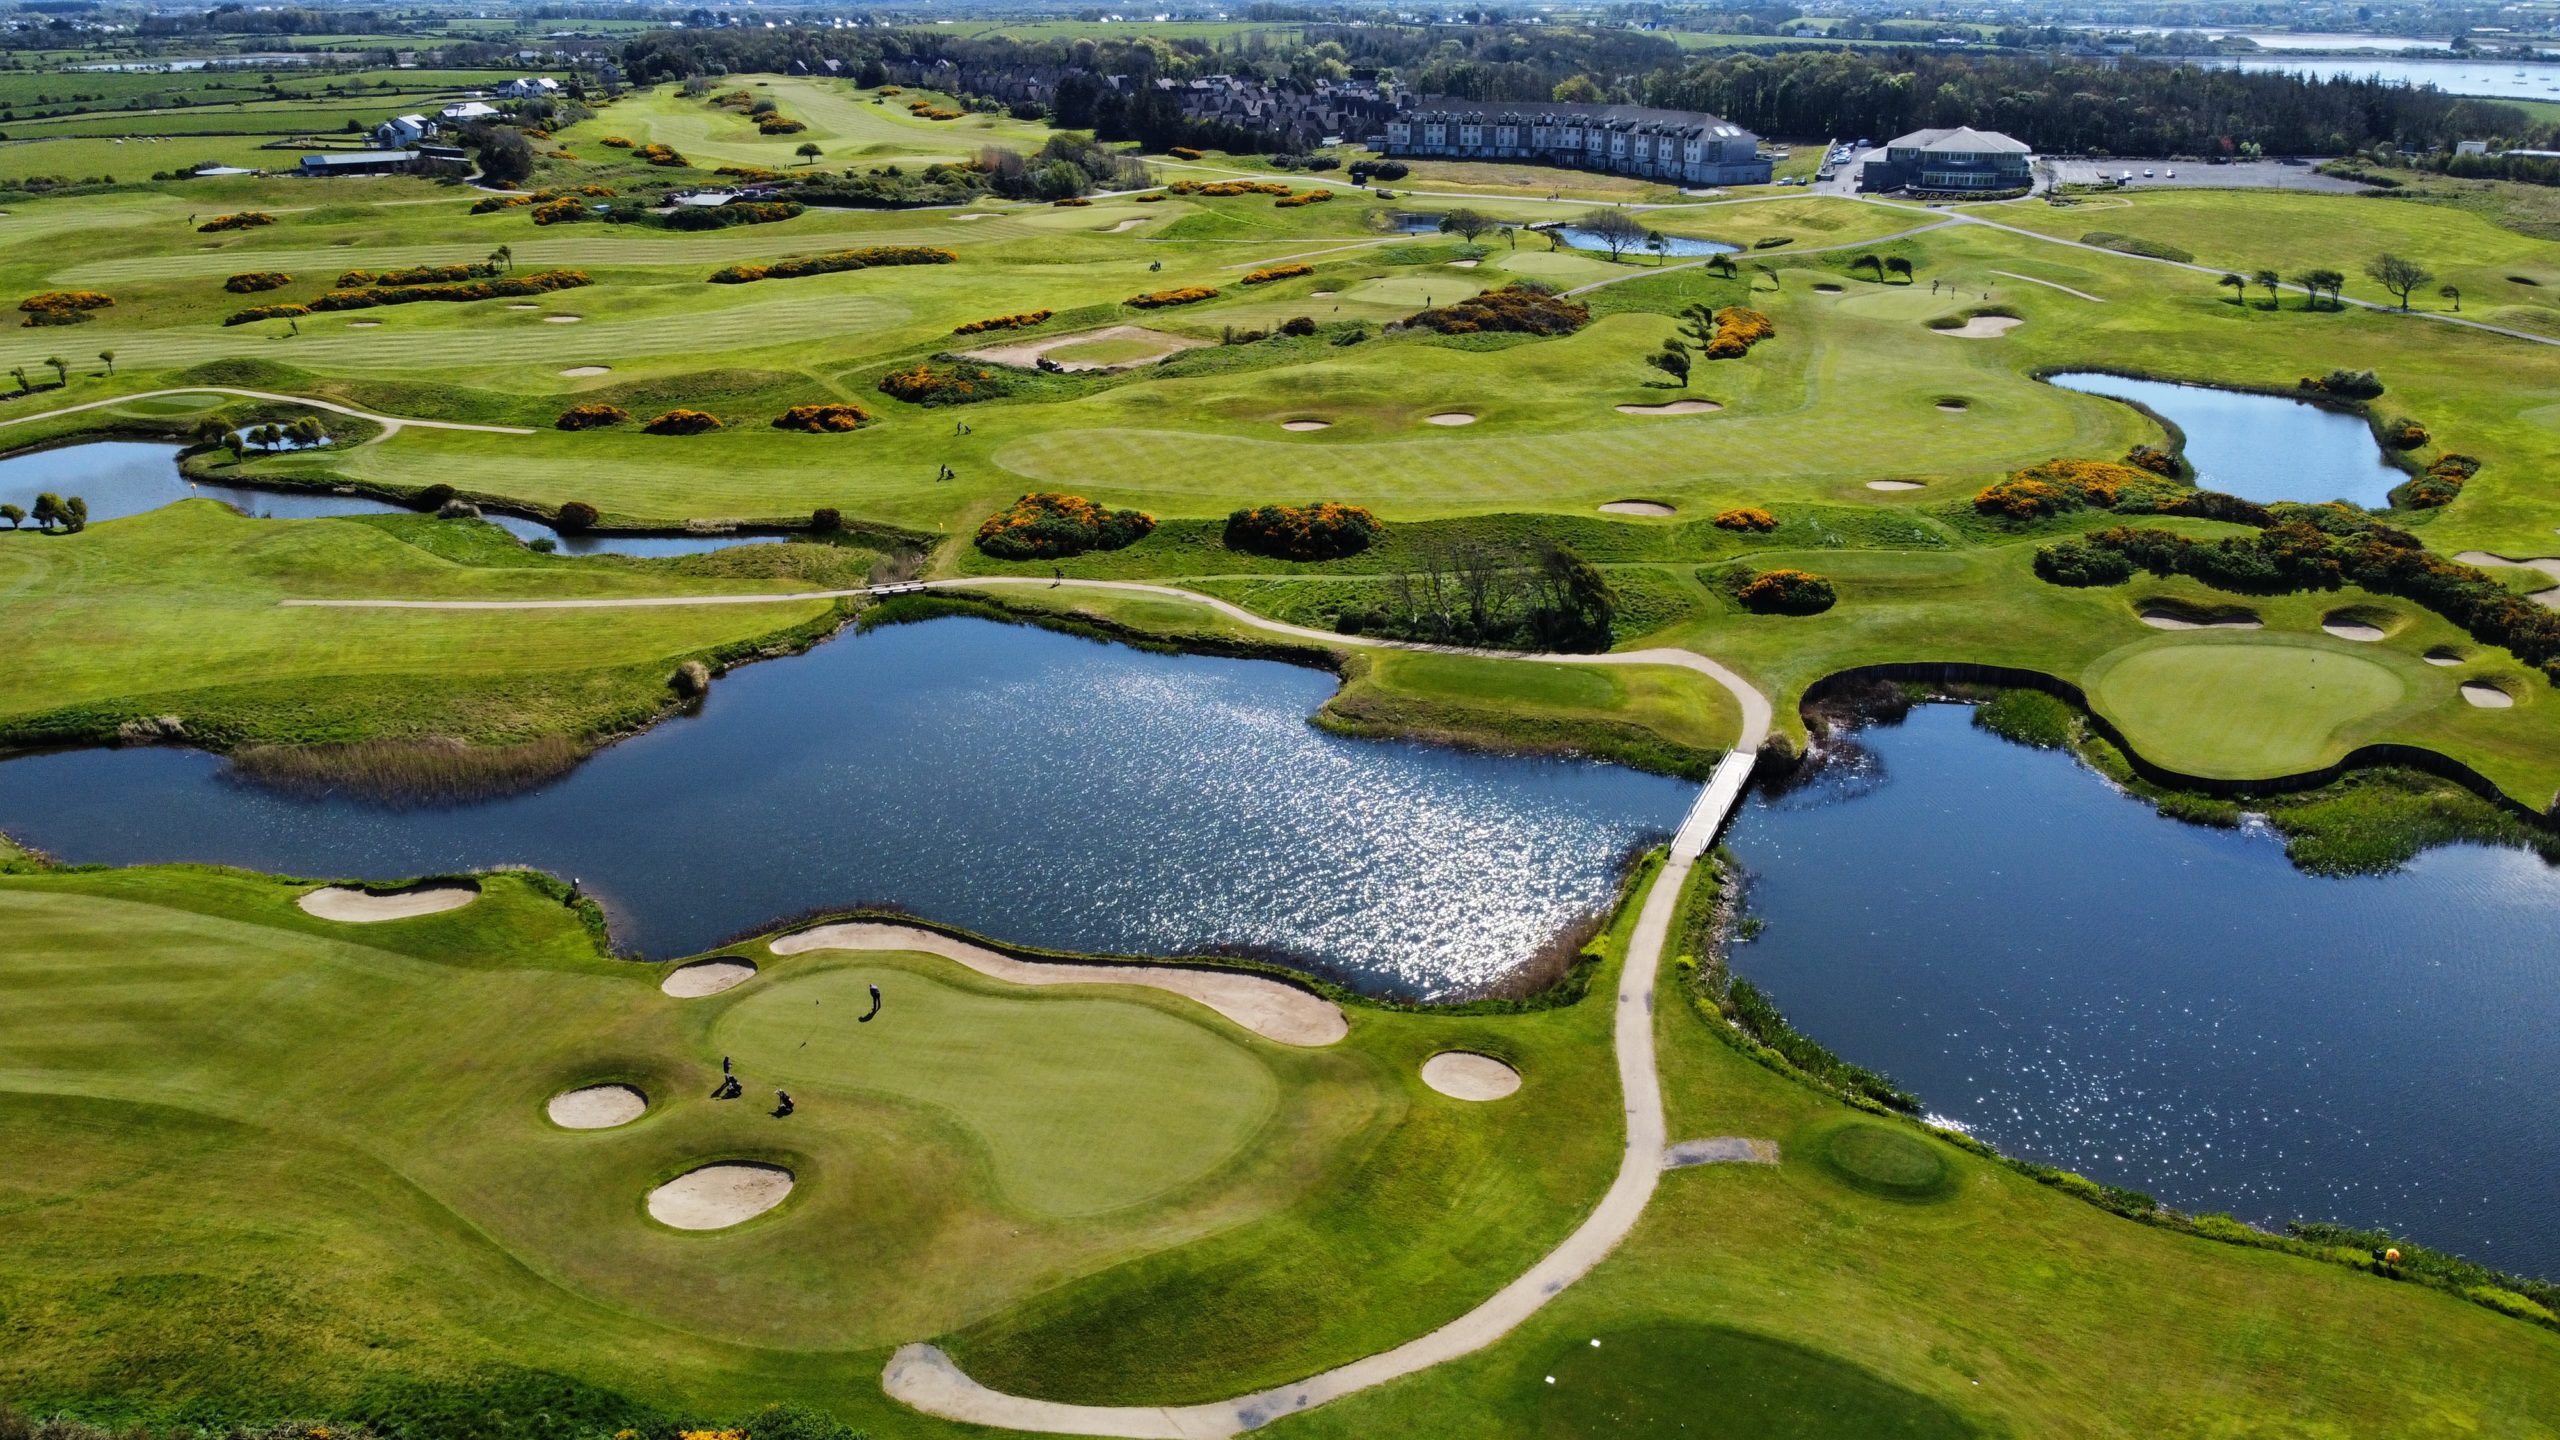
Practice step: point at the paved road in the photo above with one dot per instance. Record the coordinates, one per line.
(389, 423)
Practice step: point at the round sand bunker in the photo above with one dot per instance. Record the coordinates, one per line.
(1636, 507)
(562, 319)
(1893, 484)
(1451, 417)
(1465, 1075)
(2442, 655)
(708, 977)
(597, 1107)
(1306, 425)
(1984, 327)
(716, 1197)
(2348, 627)
(2486, 695)
(1672, 407)
(580, 372)
(365, 907)
(2164, 619)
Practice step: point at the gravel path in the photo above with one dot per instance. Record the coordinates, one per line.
(390, 423)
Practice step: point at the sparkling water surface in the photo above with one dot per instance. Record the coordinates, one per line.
(2260, 447)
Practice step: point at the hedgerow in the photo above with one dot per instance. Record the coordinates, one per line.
(1322, 531)
(681, 422)
(833, 262)
(246, 219)
(251, 282)
(1304, 197)
(2056, 486)
(1159, 299)
(1227, 187)
(1045, 525)
(491, 204)
(266, 312)
(540, 283)
(418, 275)
(822, 419)
(590, 417)
(1270, 273)
(720, 217)
(1070, 202)
(1023, 321)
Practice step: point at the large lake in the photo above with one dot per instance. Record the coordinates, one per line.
(2259, 447)
(2505, 80)
(2173, 1008)
(1030, 785)
(121, 477)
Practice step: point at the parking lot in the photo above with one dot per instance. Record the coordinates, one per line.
(2239, 175)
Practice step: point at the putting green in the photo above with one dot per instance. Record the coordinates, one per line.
(2246, 709)
(1706, 1380)
(1885, 1160)
(1081, 1105)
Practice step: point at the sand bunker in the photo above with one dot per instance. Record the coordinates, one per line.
(2486, 695)
(2160, 619)
(580, 372)
(1826, 289)
(1463, 264)
(1319, 294)
(1266, 1007)
(716, 1197)
(2550, 599)
(1954, 407)
(1636, 507)
(2348, 627)
(1303, 425)
(1129, 224)
(1984, 327)
(708, 977)
(1027, 354)
(1451, 417)
(1893, 484)
(1720, 1150)
(2441, 656)
(1672, 407)
(1465, 1075)
(364, 324)
(597, 1107)
(524, 305)
(561, 319)
(364, 907)
(980, 215)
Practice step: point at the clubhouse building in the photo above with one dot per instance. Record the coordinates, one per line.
(1953, 161)
(1674, 146)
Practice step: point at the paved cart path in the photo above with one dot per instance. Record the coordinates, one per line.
(389, 423)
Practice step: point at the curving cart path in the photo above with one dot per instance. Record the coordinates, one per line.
(391, 424)
(924, 1378)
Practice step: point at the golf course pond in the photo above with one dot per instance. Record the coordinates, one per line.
(2077, 980)
(121, 477)
(2259, 447)
(1033, 786)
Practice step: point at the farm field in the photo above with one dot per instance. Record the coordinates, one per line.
(285, 1165)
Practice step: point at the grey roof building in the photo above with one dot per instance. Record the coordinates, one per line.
(1960, 159)
(1677, 146)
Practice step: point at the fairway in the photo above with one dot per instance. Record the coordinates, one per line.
(1706, 1381)
(1014, 1071)
(2244, 708)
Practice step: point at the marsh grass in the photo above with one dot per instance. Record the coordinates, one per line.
(419, 772)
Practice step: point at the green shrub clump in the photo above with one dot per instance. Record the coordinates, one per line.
(246, 219)
(511, 286)
(1322, 531)
(418, 275)
(1786, 592)
(833, 262)
(1045, 525)
(266, 312)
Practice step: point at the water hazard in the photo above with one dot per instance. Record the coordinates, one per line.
(2173, 1008)
(1030, 785)
(2259, 447)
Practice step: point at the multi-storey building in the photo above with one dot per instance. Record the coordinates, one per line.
(1674, 146)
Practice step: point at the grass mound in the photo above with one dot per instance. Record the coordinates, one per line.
(1704, 1381)
(1885, 1160)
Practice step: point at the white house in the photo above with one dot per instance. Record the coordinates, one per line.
(464, 112)
(530, 87)
(401, 132)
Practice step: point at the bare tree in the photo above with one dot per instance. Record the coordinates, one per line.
(2397, 275)
(1614, 228)
(1466, 224)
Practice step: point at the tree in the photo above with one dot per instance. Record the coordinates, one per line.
(1672, 360)
(48, 510)
(1721, 265)
(1577, 90)
(233, 442)
(1466, 224)
(506, 157)
(75, 515)
(2452, 293)
(210, 430)
(809, 152)
(1762, 267)
(1899, 266)
(2397, 275)
(1658, 243)
(306, 431)
(61, 369)
(2267, 280)
(110, 356)
(2238, 286)
(2317, 281)
(1870, 264)
(20, 371)
(266, 436)
(1698, 324)
(1613, 228)
(503, 257)
(14, 515)
(574, 516)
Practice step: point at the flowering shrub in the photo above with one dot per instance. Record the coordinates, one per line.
(2440, 483)
(417, 275)
(822, 419)
(1071, 202)
(927, 110)
(2059, 485)
(1323, 531)
(1304, 197)
(1048, 526)
(717, 217)
(2018, 499)
(921, 384)
(2404, 434)
(560, 211)
(747, 172)
(2153, 459)
(1786, 592)
(266, 312)
(590, 417)
(1023, 321)
(681, 422)
(1183, 152)
(657, 154)
(2345, 384)
(539, 283)
(615, 142)
(1227, 187)
(833, 262)
(1159, 299)
(778, 125)
(1749, 519)
(63, 307)
(490, 204)
(1737, 330)
(1150, 199)
(245, 220)
(1520, 309)
(1270, 273)
(256, 280)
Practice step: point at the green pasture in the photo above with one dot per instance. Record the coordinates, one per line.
(844, 120)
